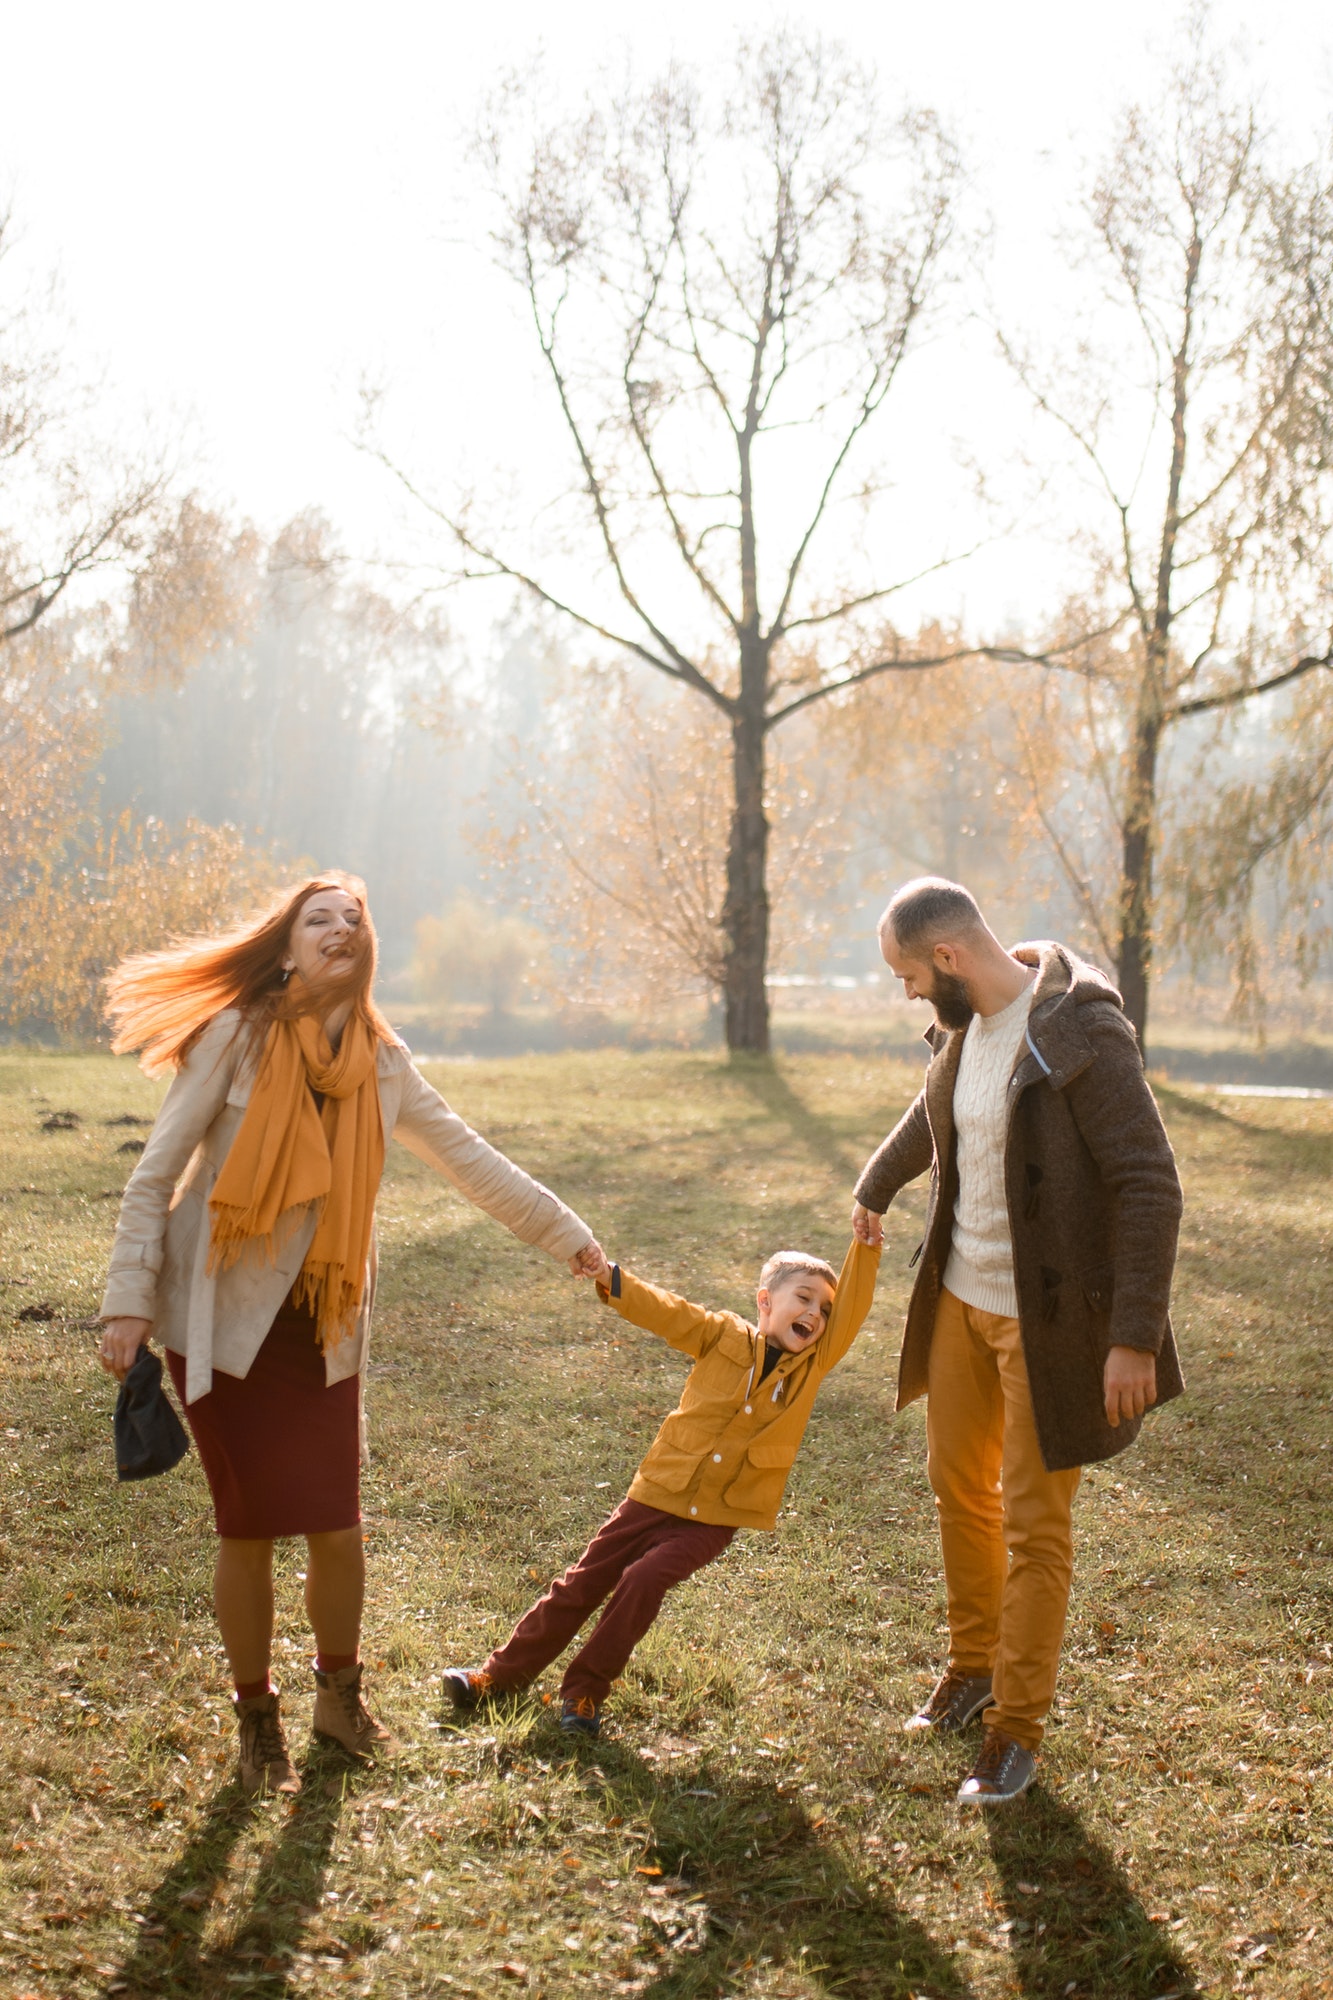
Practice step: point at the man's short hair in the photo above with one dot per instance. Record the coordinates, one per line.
(926, 910)
(786, 1264)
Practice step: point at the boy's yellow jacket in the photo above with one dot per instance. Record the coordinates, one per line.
(724, 1453)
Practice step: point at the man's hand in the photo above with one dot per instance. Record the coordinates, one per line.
(590, 1262)
(867, 1227)
(121, 1341)
(1129, 1382)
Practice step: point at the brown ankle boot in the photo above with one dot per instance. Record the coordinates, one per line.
(342, 1717)
(265, 1764)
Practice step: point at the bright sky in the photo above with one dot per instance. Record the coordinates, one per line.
(252, 207)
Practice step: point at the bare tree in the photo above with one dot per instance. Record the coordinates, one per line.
(723, 297)
(68, 509)
(1198, 408)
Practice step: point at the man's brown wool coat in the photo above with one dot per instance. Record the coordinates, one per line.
(1094, 1205)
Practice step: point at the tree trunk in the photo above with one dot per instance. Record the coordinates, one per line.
(1134, 960)
(745, 909)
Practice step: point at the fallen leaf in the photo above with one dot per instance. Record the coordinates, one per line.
(514, 1968)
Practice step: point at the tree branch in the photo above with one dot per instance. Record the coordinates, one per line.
(1207, 704)
(1013, 656)
(675, 666)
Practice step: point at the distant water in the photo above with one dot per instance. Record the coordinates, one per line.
(1267, 1090)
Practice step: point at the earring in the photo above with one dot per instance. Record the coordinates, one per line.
(286, 974)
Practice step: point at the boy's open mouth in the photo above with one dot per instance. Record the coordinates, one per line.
(804, 1327)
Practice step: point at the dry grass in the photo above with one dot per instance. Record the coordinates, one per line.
(753, 1823)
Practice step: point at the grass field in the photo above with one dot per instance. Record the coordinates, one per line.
(753, 1822)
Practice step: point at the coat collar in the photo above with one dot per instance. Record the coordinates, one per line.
(1057, 1044)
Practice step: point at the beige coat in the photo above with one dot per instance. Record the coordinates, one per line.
(158, 1261)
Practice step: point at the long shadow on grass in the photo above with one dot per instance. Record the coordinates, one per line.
(171, 1958)
(1096, 1935)
(767, 1085)
(775, 1890)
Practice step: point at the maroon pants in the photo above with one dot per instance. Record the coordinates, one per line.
(634, 1558)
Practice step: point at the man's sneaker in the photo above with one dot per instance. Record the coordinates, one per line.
(265, 1763)
(581, 1716)
(341, 1716)
(1003, 1771)
(955, 1701)
(469, 1687)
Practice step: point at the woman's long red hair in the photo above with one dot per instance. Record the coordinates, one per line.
(158, 1001)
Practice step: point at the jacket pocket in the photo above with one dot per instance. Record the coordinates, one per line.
(1098, 1285)
(772, 1456)
(674, 1456)
(760, 1478)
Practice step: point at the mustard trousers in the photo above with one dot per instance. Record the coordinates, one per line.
(1005, 1521)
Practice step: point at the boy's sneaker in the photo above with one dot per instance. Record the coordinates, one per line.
(580, 1716)
(955, 1700)
(468, 1687)
(1003, 1771)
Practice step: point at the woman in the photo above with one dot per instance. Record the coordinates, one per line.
(246, 1243)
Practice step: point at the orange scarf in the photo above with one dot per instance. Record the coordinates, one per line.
(289, 1153)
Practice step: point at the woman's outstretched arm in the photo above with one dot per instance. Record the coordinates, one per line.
(437, 1135)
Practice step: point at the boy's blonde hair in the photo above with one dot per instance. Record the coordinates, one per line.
(784, 1264)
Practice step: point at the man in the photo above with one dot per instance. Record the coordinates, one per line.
(1038, 1326)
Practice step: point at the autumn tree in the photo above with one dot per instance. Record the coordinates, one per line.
(723, 290)
(1194, 398)
(627, 868)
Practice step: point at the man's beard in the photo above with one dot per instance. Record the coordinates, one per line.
(950, 999)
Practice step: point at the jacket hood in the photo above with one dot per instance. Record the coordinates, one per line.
(1066, 984)
(1062, 975)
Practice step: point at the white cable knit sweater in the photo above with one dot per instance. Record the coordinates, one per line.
(980, 1270)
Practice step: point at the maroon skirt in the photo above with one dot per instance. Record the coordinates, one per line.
(281, 1449)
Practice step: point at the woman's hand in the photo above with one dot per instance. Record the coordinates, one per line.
(591, 1262)
(121, 1341)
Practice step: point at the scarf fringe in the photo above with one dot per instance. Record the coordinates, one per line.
(332, 1299)
(232, 1238)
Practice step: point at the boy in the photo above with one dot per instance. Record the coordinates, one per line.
(719, 1462)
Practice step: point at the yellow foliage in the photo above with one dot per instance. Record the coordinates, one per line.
(474, 953)
(134, 887)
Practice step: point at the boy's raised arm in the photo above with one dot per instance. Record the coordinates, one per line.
(853, 1300)
(692, 1329)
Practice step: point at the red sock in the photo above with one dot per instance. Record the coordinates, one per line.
(247, 1690)
(333, 1663)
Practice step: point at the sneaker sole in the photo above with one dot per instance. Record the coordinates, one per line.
(948, 1725)
(987, 1799)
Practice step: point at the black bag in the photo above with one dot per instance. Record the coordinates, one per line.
(150, 1437)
